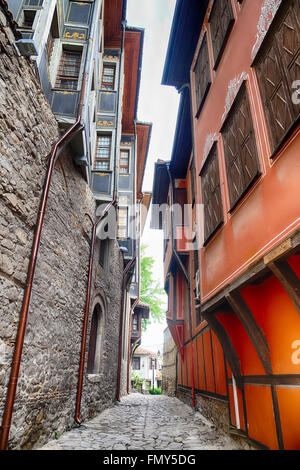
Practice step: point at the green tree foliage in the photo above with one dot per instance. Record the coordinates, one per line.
(151, 292)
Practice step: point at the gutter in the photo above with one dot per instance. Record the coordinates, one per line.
(86, 314)
(16, 362)
(183, 270)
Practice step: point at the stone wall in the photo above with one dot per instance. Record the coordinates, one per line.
(169, 365)
(46, 391)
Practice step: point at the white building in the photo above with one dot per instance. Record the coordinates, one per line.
(147, 365)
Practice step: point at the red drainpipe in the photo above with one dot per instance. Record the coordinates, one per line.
(125, 272)
(86, 314)
(14, 374)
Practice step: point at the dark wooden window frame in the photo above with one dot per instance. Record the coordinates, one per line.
(136, 361)
(123, 227)
(219, 52)
(215, 194)
(108, 85)
(242, 145)
(66, 75)
(28, 18)
(124, 167)
(202, 62)
(270, 42)
(99, 159)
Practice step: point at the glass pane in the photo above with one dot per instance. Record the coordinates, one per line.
(67, 84)
(101, 165)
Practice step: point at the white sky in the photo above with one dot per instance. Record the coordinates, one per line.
(157, 104)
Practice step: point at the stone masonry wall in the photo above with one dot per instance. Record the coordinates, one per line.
(169, 365)
(46, 392)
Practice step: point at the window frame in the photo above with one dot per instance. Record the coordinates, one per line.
(66, 49)
(127, 151)
(125, 226)
(95, 349)
(104, 86)
(136, 359)
(107, 160)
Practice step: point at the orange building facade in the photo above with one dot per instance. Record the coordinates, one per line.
(232, 265)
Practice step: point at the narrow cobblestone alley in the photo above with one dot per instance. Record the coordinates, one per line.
(146, 422)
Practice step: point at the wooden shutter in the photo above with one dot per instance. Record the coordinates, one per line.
(278, 66)
(211, 194)
(221, 20)
(241, 157)
(202, 75)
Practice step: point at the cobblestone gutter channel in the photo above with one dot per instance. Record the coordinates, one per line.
(146, 422)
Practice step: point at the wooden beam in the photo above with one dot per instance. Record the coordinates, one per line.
(288, 279)
(252, 328)
(228, 348)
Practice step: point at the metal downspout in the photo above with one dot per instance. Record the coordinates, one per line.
(86, 314)
(182, 268)
(14, 375)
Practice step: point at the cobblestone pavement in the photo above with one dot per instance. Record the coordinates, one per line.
(146, 422)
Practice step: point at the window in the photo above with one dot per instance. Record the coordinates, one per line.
(135, 323)
(53, 33)
(123, 222)
(104, 253)
(124, 162)
(278, 67)
(152, 362)
(136, 363)
(211, 194)
(193, 181)
(103, 150)
(221, 20)
(68, 71)
(95, 343)
(241, 157)
(108, 77)
(28, 18)
(202, 75)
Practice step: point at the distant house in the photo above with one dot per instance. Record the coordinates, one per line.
(143, 362)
